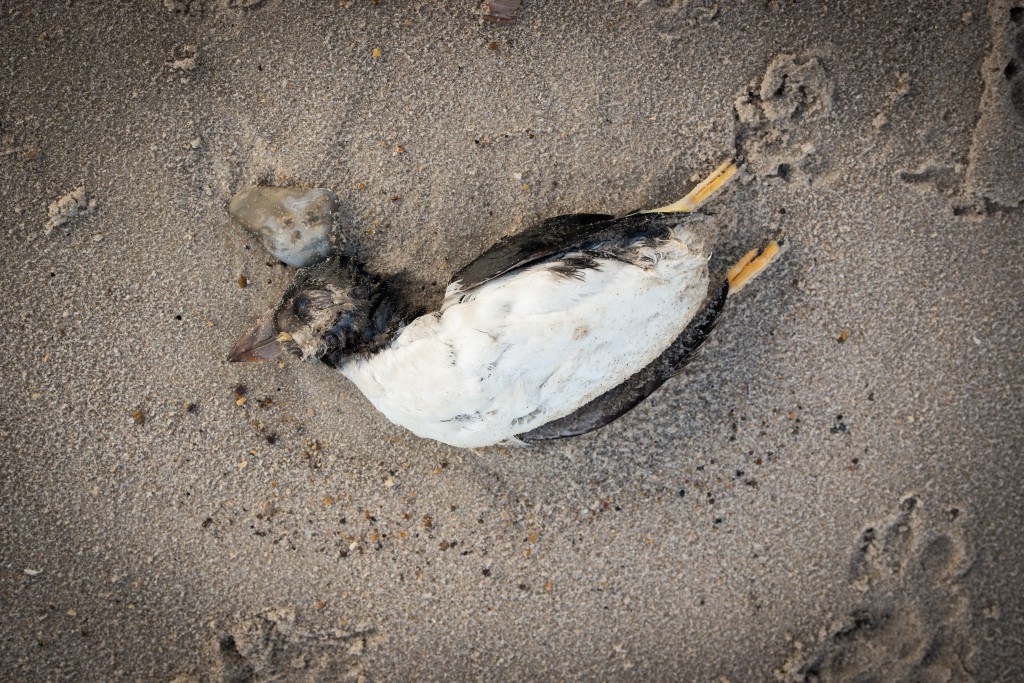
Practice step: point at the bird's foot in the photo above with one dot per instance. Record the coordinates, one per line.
(753, 263)
(704, 190)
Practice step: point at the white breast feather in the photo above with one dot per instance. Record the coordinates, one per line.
(531, 346)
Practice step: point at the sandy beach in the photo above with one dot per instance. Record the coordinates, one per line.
(831, 491)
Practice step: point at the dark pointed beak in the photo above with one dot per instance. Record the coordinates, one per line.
(262, 342)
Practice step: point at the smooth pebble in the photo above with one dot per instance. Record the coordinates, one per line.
(294, 223)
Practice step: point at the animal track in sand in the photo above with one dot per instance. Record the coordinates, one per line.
(934, 175)
(673, 19)
(271, 646)
(912, 622)
(772, 116)
(1012, 70)
(993, 171)
(243, 4)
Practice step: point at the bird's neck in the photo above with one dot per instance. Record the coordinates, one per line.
(381, 317)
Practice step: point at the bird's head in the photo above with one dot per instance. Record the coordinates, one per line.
(326, 311)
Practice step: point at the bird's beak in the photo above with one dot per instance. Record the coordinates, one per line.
(262, 342)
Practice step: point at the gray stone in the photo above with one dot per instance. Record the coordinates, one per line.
(294, 223)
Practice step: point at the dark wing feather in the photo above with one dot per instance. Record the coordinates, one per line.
(616, 402)
(554, 236)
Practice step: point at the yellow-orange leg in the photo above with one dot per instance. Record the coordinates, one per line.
(753, 263)
(704, 191)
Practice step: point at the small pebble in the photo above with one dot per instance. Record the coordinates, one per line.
(293, 223)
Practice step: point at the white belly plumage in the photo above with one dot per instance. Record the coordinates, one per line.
(531, 346)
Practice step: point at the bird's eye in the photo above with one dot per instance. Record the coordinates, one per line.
(302, 306)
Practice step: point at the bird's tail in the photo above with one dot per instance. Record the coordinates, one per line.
(704, 190)
(753, 263)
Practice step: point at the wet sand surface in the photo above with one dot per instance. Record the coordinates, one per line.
(831, 491)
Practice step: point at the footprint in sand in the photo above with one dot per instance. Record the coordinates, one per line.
(998, 142)
(933, 176)
(912, 621)
(773, 135)
(271, 646)
(675, 19)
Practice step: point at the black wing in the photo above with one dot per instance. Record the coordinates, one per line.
(549, 238)
(616, 402)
